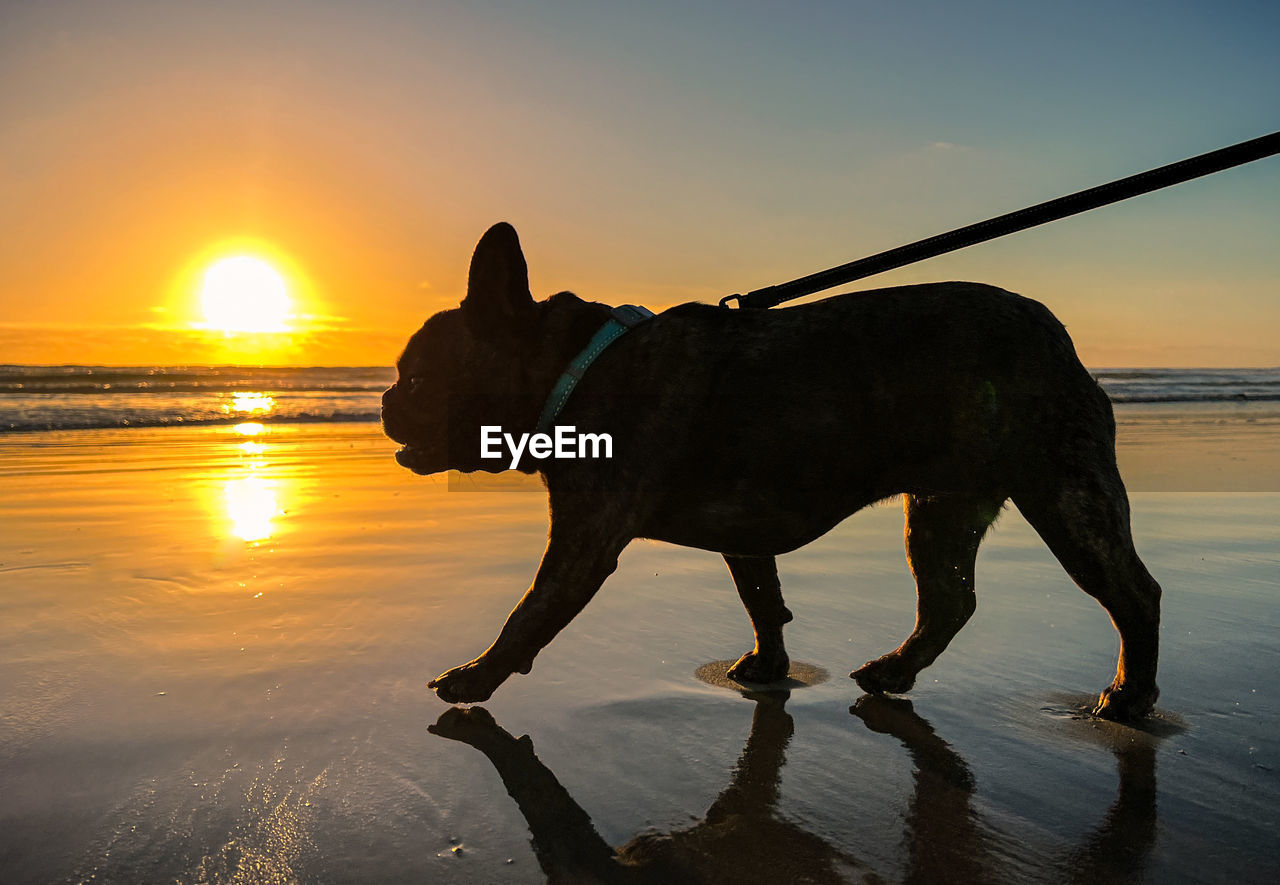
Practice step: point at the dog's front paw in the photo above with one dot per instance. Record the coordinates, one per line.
(760, 669)
(465, 724)
(891, 716)
(476, 726)
(1125, 703)
(469, 684)
(886, 675)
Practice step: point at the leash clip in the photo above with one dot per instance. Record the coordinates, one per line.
(727, 300)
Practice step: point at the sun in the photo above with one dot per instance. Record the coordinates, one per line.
(244, 293)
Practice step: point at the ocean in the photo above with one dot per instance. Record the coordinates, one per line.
(34, 398)
(43, 398)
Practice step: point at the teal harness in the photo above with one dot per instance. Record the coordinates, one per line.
(625, 316)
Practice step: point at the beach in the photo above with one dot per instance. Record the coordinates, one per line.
(215, 642)
(240, 236)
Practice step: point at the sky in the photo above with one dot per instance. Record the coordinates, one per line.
(649, 153)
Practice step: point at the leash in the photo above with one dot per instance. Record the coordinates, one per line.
(1012, 222)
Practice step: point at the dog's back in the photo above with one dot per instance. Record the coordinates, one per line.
(823, 408)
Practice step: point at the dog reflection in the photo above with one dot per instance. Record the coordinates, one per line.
(742, 838)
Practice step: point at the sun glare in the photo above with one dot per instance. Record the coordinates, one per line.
(245, 294)
(250, 404)
(252, 505)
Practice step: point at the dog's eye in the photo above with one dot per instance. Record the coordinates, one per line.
(415, 384)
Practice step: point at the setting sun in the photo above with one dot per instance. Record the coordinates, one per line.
(245, 294)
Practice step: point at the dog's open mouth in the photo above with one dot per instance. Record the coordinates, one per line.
(417, 460)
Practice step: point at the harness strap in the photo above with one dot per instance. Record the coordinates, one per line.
(625, 316)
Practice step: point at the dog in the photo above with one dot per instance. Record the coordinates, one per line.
(752, 432)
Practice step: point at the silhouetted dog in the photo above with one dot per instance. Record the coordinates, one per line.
(752, 432)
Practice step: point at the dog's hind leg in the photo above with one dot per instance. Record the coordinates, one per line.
(756, 578)
(1084, 518)
(942, 537)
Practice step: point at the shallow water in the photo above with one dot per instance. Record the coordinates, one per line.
(214, 649)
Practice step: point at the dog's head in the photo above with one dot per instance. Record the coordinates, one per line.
(481, 363)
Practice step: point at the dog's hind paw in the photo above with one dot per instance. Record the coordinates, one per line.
(1123, 703)
(884, 675)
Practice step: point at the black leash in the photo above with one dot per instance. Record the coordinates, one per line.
(1043, 213)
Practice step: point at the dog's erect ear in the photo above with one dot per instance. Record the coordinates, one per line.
(498, 298)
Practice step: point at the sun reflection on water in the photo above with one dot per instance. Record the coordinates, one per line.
(250, 404)
(252, 504)
(251, 447)
(251, 490)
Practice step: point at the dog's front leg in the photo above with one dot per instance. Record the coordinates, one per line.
(567, 845)
(575, 564)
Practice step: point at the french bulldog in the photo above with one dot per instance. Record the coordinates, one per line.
(752, 432)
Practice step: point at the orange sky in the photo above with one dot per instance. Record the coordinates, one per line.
(644, 158)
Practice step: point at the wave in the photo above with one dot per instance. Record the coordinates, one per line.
(178, 387)
(153, 421)
(1134, 386)
(1222, 397)
(46, 398)
(94, 380)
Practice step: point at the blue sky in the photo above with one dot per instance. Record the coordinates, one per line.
(655, 152)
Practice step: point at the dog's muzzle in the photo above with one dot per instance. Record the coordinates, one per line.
(399, 426)
(416, 460)
(393, 424)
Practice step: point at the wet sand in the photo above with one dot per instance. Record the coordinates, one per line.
(214, 650)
